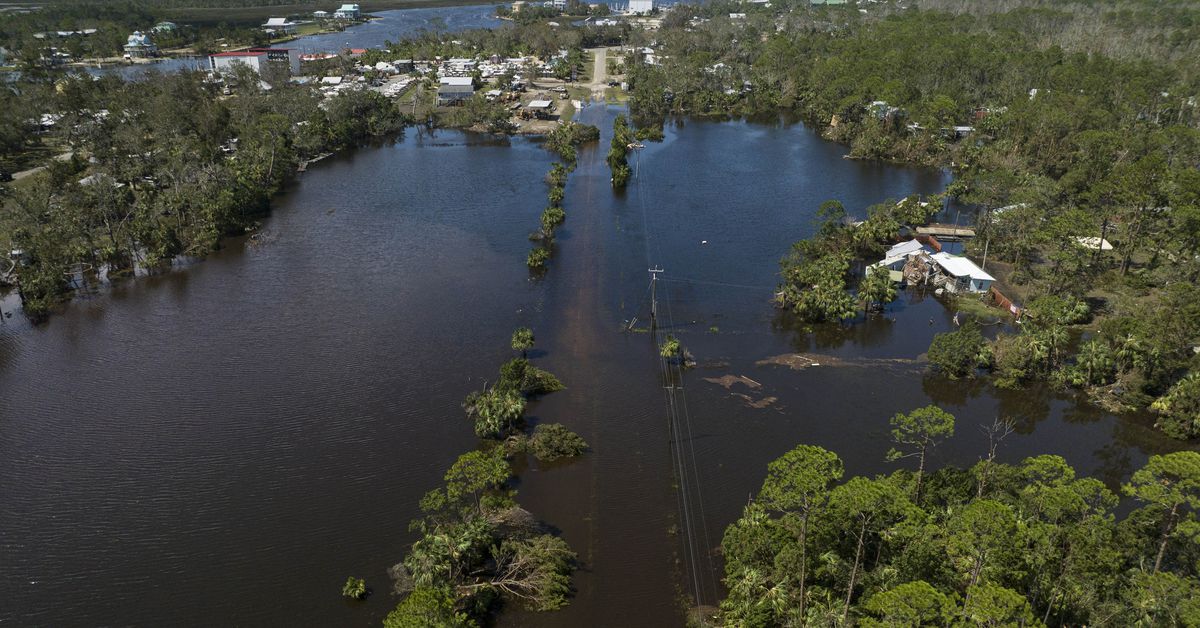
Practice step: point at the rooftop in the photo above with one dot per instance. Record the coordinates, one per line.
(904, 248)
(961, 267)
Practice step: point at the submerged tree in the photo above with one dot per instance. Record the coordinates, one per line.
(522, 340)
(537, 258)
(355, 588)
(670, 349)
(617, 161)
(428, 607)
(552, 441)
(876, 288)
(958, 353)
(494, 411)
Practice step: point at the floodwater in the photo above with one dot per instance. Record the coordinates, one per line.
(391, 26)
(226, 443)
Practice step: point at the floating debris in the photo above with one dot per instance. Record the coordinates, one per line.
(728, 381)
(801, 361)
(765, 402)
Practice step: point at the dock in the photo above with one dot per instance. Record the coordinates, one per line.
(939, 230)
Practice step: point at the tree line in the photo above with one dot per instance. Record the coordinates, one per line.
(1056, 142)
(1029, 544)
(165, 168)
(563, 141)
(477, 550)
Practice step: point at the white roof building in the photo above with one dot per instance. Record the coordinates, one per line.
(904, 248)
(279, 25)
(896, 256)
(641, 7)
(347, 12)
(456, 80)
(968, 276)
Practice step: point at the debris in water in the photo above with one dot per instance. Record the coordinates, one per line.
(728, 381)
(765, 402)
(801, 361)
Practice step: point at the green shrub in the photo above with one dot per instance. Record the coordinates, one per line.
(957, 353)
(553, 441)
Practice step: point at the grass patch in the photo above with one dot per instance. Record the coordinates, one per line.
(615, 96)
(971, 304)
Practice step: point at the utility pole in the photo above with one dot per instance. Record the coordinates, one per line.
(654, 296)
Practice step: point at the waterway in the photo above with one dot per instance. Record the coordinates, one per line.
(226, 443)
(390, 26)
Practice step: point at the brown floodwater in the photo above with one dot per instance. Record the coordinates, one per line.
(224, 444)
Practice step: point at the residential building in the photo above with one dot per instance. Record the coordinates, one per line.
(965, 275)
(641, 7)
(257, 59)
(165, 27)
(347, 12)
(897, 256)
(454, 93)
(139, 46)
(278, 25)
(321, 15)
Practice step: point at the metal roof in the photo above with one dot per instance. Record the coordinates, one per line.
(904, 248)
(961, 267)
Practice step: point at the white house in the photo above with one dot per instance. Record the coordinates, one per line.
(896, 256)
(641, 7)
(456, 80)
(321, 15)
(139, 46)
(280, 25)
(257, 59)
(347, 12)
(967, 277)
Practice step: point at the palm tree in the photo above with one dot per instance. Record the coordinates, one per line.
(1095, 360)
(1128, 351)
(876, 288)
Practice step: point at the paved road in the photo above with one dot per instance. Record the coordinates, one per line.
(17, 176)
(599, 72)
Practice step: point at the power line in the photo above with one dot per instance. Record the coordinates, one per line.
(680, 431)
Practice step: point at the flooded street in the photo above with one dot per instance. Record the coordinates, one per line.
(225, 444)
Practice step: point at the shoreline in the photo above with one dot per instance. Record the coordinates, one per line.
(236, 15)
